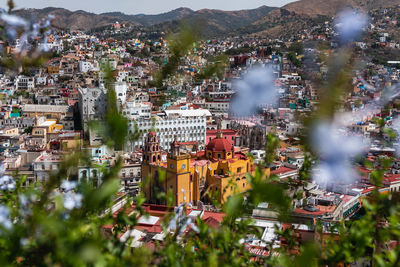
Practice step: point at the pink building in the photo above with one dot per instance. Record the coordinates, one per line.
(228, 134)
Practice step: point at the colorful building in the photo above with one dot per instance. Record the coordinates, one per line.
(220, 169)
(228, 134)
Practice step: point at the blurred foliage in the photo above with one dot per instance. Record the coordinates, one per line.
(179, 45)
(215, 68)
(271, 146)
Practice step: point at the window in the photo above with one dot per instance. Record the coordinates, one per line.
(239, 170)
(244, 185)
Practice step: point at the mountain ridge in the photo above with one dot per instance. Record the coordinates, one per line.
(213, 21)
(84, 20)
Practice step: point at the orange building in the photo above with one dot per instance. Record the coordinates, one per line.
(219, 169)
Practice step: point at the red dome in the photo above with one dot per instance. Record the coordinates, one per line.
(152, 133)
(219, 145)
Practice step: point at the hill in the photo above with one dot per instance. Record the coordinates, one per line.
(275, 22)
(294, 17)
(148, 20)
(329, 8)
(217, 22)
(214, 21)
(66, 19)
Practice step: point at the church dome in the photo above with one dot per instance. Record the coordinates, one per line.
(219, 145)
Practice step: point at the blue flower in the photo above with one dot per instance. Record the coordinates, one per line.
(350, 25)
(5, 217)
(255, 89)
(336, 151)
(68, 185)
(72, 200)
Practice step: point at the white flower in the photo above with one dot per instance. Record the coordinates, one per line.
(68, 185)
(350, 24)
(336, 151)
(5, 217)
(188, 222)
(178, 214)
(23, 200)
(181, 221)
(72, 200)
(29, 30)
(7, 183)
(2, 169)
(24, 242)
(13, 20)
(256, 88)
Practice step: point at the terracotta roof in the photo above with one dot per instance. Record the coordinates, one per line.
(282, 170)
(219, 145)
(213, 223)
(223, 131)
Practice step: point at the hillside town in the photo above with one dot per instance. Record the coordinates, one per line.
(192, 129)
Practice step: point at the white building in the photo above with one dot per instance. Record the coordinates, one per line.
(24, 83)
(120, 89)
(86, 66)
(292, 129)
(122, 75)
(92, 104)
(100, 156)
(134, 110)
(41, 80)
(217, 106)
(111, 62)
(45, 165)
(187, 125)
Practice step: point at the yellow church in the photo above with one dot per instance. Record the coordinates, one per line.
(188, 176)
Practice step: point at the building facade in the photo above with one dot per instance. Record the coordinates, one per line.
(218, 169)
(186, 129)
(92, 104)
